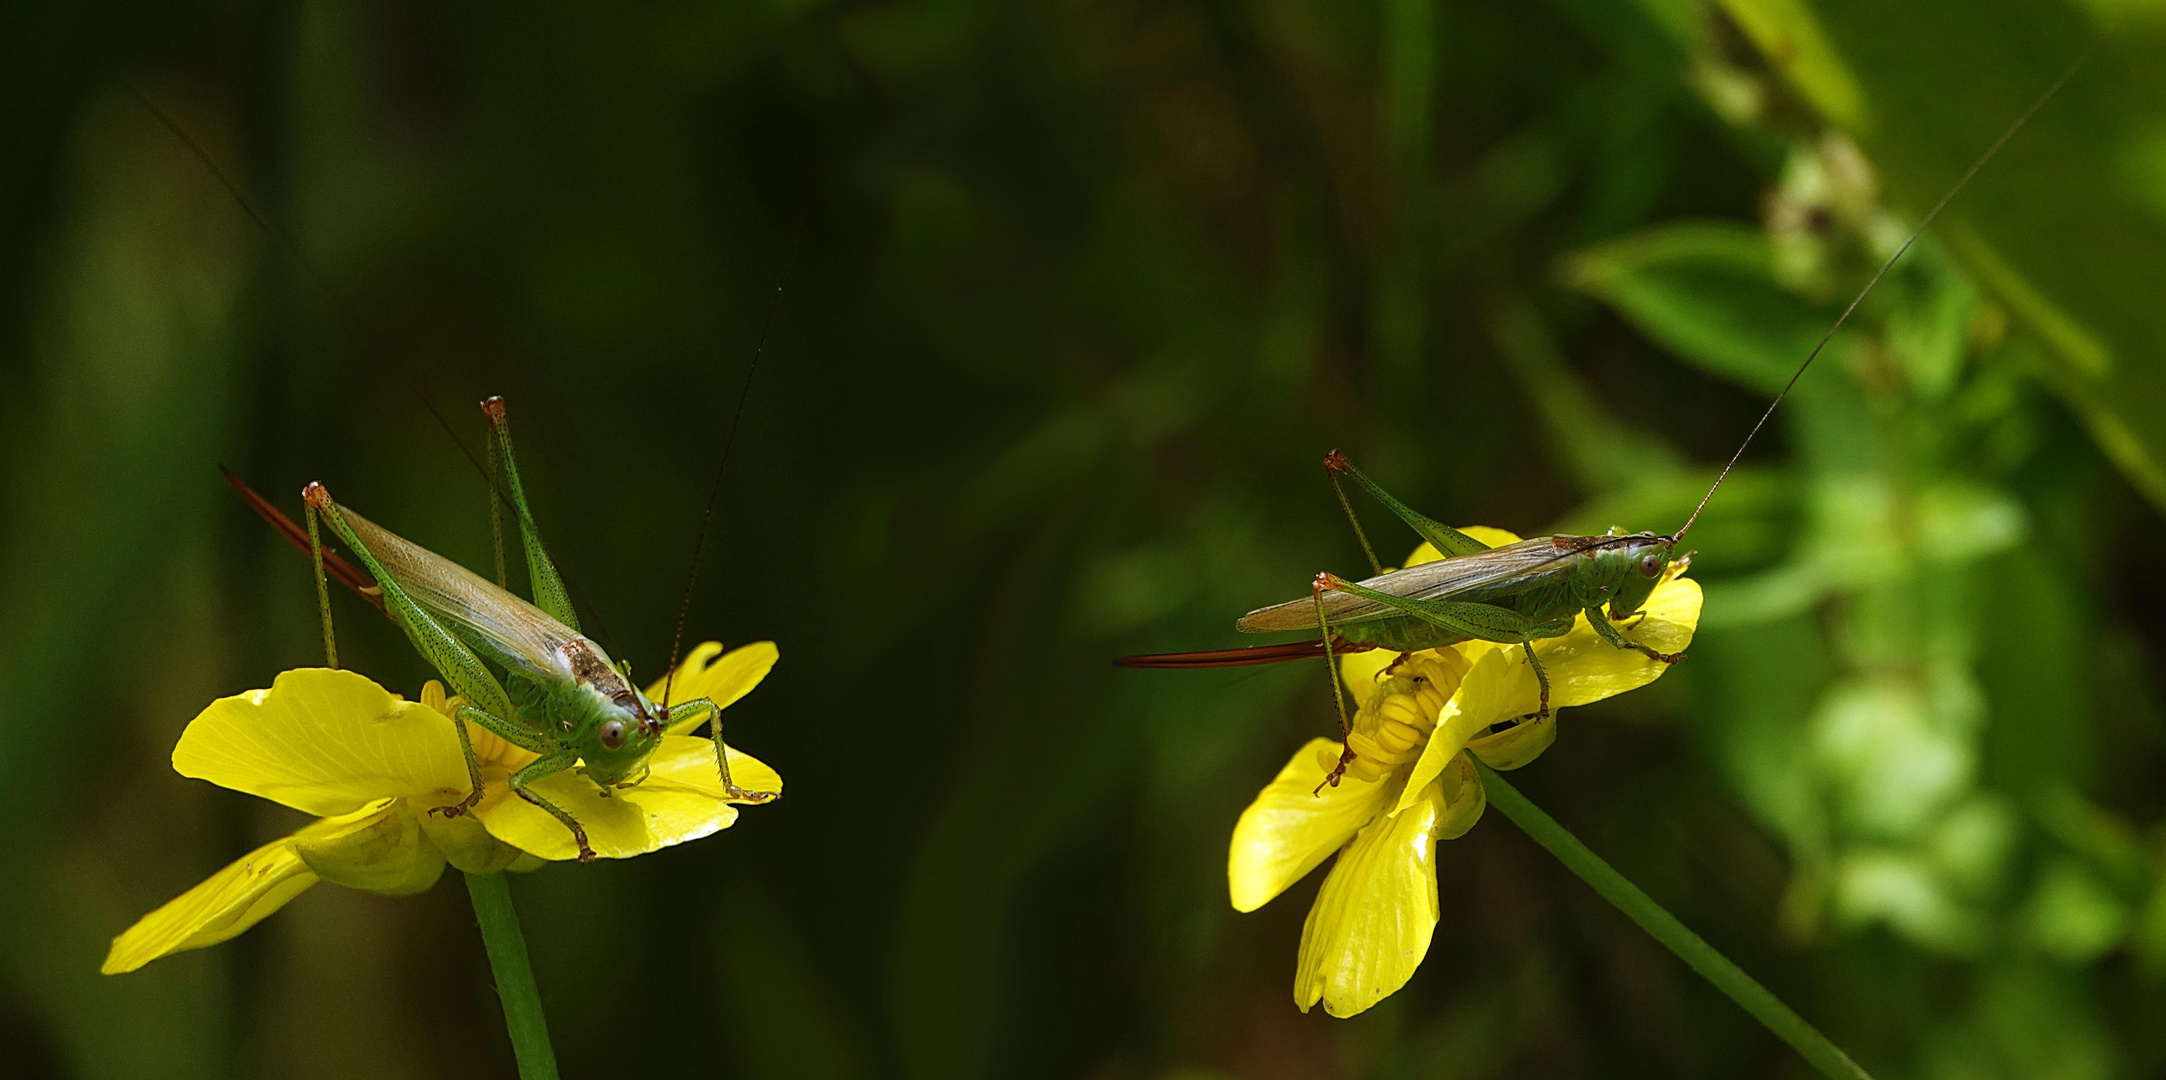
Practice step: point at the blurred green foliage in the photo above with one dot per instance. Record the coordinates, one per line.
(1077, 297)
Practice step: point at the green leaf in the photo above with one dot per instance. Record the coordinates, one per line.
(2067, 226)
(1706, 292)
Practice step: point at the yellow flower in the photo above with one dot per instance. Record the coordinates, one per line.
(681, 799)
(1412, 783)
(372, 765)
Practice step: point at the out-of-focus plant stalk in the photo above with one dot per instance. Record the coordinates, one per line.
(1657, 920)
(523, 1016)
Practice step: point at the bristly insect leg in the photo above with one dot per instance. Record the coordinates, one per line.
(1609, 633)
(546, 767)
(703, 710)
(323, 587)
(496, 504)
(547, 585)
(1334, 464)
(1445, 539)
(1331, 671)
(1541, 679)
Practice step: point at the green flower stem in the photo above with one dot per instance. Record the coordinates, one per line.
(1656, 920)
(514, 976)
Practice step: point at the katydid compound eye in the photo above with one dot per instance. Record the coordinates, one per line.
(1650, 565)
(612, 734)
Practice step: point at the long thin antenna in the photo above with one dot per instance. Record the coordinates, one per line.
(322, 283)
(729, 439)
(1875, 280)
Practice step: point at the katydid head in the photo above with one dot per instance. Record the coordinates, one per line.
(618, 746)
(1638, 563)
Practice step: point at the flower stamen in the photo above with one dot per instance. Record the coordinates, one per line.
(1393, 726)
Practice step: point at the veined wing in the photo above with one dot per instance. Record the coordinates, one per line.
(509, 630)
(1466, 577)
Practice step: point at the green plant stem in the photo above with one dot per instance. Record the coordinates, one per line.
(514, 976)
(1656, 920)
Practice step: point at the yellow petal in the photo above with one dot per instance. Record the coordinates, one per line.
(1360, 671)
(1292, 827)
(685, 763)
(1492, 537)
(1583, 668)
(226, 903)
(465, 843)
(1464, 799)
(682, 799)
(1499, 686)
(726, 679)
(325, 742)
(1517, 745)
(695, 661)
(1372, 921)
(380, 849)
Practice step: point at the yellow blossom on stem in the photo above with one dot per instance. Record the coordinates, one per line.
(1423, 718)
(375, 769)
(681, 799)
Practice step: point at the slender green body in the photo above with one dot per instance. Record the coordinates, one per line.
(1544, 582)
(1514, 595)
(559, 694)
(557, 681)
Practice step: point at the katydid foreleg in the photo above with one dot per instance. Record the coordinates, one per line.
(547, 766)
(445, 652)
(702, 710)
(1611, 634)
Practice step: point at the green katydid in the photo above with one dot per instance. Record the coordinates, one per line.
(1516, 594)
(560, 695)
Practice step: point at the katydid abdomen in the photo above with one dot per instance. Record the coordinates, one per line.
(1518, 592)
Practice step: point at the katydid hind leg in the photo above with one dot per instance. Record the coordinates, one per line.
(1483, 622)
(1463, 619)
(1338, 487)
(496, 506)
(1447, 540)
(1338, 690)
(444, 651)
(550, 594)
(323, 589)
(347, 575)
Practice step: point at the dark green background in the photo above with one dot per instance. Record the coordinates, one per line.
(1077, 297)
